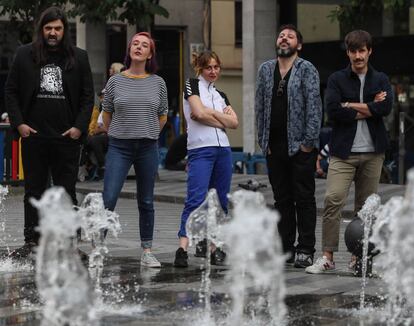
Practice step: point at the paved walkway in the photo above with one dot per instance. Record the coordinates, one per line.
(171, 188)
(166, 242)
(311, 298)
(170, 192)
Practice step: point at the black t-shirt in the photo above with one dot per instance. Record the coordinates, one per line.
(278, 118)
(51, 114)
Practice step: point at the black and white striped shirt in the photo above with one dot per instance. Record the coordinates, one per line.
(135, 104)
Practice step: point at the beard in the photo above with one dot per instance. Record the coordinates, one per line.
(286, 52)
(52, 42)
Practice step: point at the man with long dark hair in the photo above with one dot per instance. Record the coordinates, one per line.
(49, 98)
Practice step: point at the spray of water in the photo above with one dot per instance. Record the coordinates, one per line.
(256, 260)
(3, 236)
(204, 223)
(393, 236)
(96, 221)
(62, 280)
(401, 244)
(366, 214)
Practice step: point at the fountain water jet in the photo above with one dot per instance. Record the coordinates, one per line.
(3, 238)
(62, 280)
(204, 223)
(96, 221)
(393, 236)
(8, 264)
(256, 260)
(366, 214)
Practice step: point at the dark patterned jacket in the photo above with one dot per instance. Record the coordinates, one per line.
(304, 105)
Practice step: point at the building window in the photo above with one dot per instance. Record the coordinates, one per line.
(238, 20)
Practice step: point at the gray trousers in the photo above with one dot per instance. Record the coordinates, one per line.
(365, 170)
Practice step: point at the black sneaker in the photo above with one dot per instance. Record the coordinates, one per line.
(181, 258)
(290, 258)
(303, 260)
(201, 249)
(83, 256)
(218, 257)
(23, 252)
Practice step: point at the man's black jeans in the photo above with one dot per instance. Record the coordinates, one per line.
(43, 158)
(293, 185)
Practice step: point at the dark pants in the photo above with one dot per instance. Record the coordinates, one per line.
(143, 155)
(42, 158)
(293, 185)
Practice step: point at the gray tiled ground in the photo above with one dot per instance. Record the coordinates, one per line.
(171, 187)
(315, 295)
(165, 244)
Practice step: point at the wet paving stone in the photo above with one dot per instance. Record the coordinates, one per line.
(133, 295)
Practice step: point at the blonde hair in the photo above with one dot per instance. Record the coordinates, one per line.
(117, 67)
(201, 60)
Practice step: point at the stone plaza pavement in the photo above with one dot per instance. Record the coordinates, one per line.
(170, 192)
(313, 296)
(171, 188)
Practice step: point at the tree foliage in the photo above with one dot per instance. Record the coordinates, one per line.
(134, 12)
(354, 14)
(141, 13)
(94, 11)
(22, 13)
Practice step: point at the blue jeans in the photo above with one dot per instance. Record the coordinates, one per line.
(208, 167)
(143, 154)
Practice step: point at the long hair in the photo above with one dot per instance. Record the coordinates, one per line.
(201, 60)
(40, 51)
(151, 64)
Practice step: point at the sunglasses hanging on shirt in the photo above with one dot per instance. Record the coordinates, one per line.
(280, 87)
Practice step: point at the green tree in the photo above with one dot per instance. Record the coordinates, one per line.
(95, 11)
(363, 14)
(23, 15)
(141, 13)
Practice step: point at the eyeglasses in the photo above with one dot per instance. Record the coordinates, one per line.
(211, 68)
(279, 91)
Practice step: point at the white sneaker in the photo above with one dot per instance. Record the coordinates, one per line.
(352, 263)
(149, 260)
(321, 265)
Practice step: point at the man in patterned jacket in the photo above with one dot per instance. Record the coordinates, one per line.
(288, 116)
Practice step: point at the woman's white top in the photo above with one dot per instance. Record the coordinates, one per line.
(200, 135)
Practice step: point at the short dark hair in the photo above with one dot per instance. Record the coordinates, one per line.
(358, 39)
(40, 51)
(293, 28)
